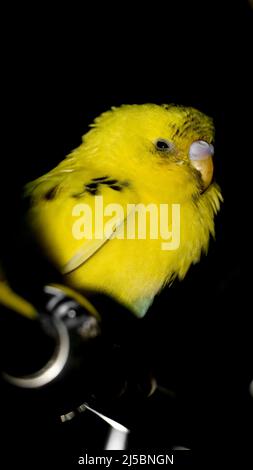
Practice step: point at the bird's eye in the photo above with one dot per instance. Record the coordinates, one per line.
(163, 145)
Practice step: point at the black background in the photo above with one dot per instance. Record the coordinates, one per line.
(60, 70)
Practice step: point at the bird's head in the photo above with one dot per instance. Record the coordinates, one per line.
(158, 138)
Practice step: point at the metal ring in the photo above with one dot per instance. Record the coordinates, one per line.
(52, 368)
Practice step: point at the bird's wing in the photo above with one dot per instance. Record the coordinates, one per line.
(61, 202)
(89, 248)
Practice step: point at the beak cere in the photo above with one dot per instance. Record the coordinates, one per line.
(201, 158)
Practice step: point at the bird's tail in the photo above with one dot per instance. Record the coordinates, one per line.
(13, 301)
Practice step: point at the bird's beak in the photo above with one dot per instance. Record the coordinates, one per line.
(205, 167)
(201, 154)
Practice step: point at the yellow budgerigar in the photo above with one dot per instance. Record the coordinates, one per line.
(139, 164)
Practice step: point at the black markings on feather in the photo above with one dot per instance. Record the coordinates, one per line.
(101, 178)
(92, 191)
(195, 199)
(94, 187)
(116, 187)
(176, 132)
(78, 195)
(91, 185)
(51, 193)
(109, 182)
(191, 127)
